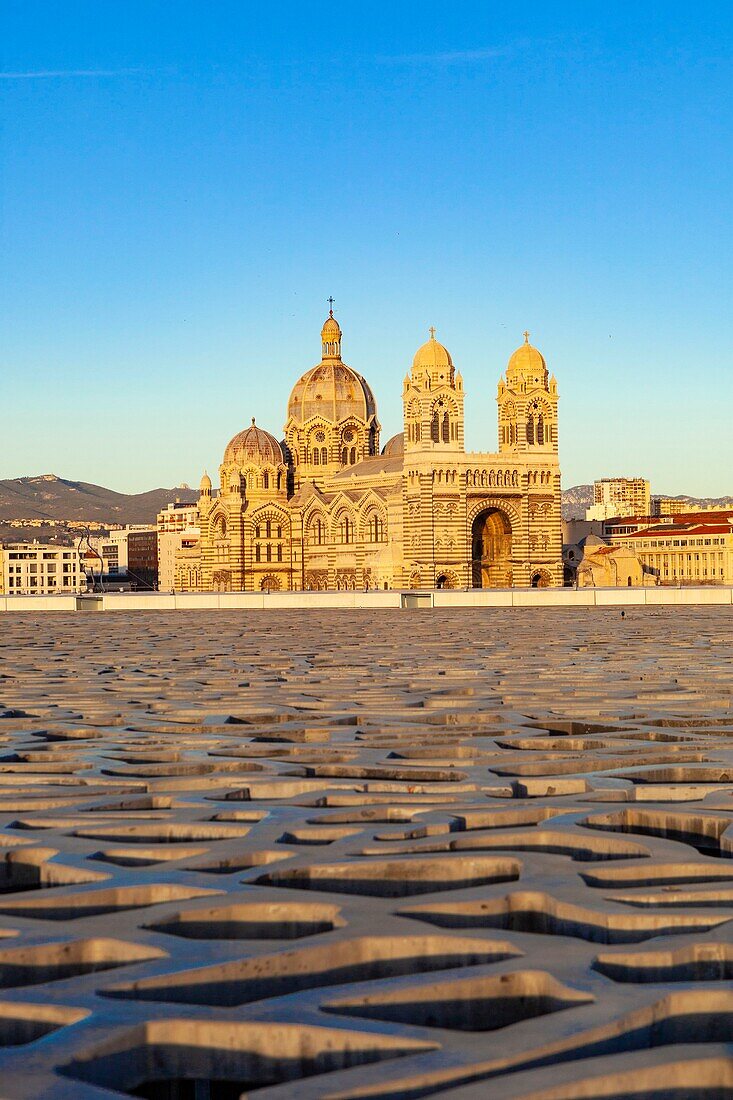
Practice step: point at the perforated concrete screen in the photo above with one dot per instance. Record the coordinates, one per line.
(478, 852)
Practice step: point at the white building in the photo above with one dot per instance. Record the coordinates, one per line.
(178, 516)
(43, 569)
(178, 528)
(170, 545)
(619, 496)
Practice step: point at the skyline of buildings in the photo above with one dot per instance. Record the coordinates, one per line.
(330, 508)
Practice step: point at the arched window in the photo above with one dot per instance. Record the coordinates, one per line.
(316, 456)
(352, 456)
(318, 531)
(540, 430)
(530, 430)
(269, 552)
(348, 529)
(280, 553)
(446, 428)
(265, 480)
(257, 552)
(268, 529)
(376, 529)
(344, 456)
(257, 532)
(279, 532)
(435, 427)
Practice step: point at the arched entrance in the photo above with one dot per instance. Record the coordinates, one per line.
(222, 580)
(491, 550)
(540, 579)
(446, 579)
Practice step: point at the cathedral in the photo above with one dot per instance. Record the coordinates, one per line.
(328, 507)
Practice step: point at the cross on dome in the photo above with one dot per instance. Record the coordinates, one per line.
(526, 336)
(431, 330)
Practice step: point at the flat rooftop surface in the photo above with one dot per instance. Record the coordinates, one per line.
(466, 853)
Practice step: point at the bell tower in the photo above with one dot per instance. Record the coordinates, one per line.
(432, 401)
(527, 399)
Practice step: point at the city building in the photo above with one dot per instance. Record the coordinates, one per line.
(176, 552)
(177, 516)
(670, 506)
(187, 572)
(698, 550)
(627, 525)
(142, 557)
(178, 534)
(42, 569)
(619, 496)
(107, 554)
(328, 509)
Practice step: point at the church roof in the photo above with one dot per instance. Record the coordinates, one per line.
(369, 467)
(432, 355)
(394, 446)
(331, 390)
(253, 445)
(527, 363)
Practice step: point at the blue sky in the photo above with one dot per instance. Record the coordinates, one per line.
(182, 187)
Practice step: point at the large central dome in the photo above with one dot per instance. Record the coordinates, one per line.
(331, 391)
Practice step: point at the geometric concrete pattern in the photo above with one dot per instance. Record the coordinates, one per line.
(458, 853)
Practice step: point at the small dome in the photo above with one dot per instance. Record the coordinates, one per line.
(331, 330)
(527, 360)
(432, 356)
(253, 445)
(205, 484)
(394, 446)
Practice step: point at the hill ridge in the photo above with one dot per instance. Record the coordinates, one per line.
(50, 497)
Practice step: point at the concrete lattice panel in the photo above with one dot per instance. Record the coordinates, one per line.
(463, 852)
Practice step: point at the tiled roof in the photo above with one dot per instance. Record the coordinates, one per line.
(664, 531)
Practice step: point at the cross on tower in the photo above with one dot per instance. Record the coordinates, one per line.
(431, 330)
(526, 336)
(330, 301)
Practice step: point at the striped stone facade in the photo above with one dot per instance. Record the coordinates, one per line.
(326, 508)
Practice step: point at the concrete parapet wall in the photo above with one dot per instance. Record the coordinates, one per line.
(38, 603)
(440, 598)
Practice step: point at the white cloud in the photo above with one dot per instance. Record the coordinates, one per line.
(454, 57)
(49, 74)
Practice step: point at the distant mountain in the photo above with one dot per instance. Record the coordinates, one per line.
(576, 500)
(48, 497)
